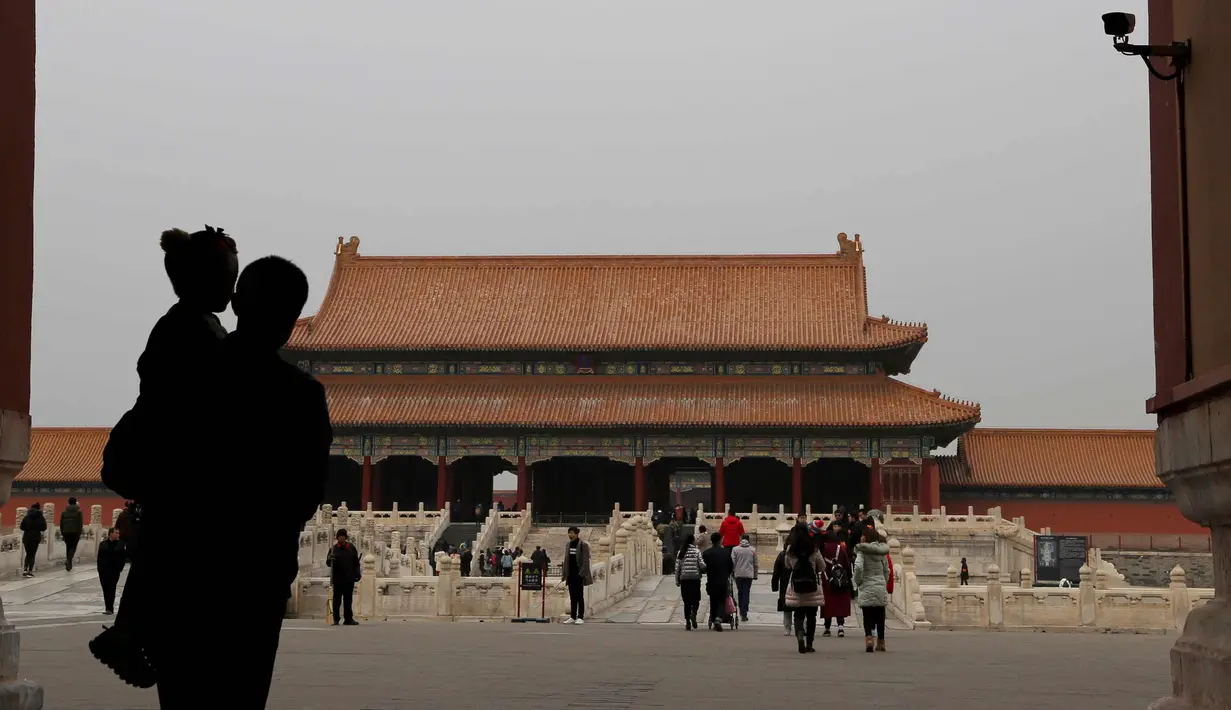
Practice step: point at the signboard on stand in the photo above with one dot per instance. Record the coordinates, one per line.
(530, 579)
(1058, 559)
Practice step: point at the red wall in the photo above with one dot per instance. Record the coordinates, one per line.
(1087, 517)
(8, 513)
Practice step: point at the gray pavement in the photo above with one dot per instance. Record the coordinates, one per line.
(617, 666)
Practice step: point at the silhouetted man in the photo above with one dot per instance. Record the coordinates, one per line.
(271, 435)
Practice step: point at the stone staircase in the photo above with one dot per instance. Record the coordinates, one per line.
(554, 540)
(457, 533)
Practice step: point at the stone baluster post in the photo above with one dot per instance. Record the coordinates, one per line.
(343, 517)
(1180, 601)
(1087, 597)
(395, 560)
(1027, 578)
(48, 549)
(96, 515)
(367, 588)
(995, 597)
(951, 580)
(115, 516)
(914, 599)
(21, 515)
(446, 584)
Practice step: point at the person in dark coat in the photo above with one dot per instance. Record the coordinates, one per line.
(344, 573)
(778, 583)
(718, 571)
(837, 581)
(111, 558)
(32, 528)
(965, 572)
(70, 529)
(467, 559)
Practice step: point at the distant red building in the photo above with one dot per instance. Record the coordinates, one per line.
(1075, 481)
(64, 461)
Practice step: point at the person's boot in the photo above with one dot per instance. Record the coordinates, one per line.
(799, 640)
(826, 633)
(880, 644)
(841, 631)
(868, 643)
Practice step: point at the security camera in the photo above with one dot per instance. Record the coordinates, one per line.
(1119, 24)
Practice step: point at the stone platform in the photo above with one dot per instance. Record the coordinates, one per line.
(622, 666)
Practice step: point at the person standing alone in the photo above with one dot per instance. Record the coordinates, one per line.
(70, 529)
(32, 528)
(731, 530)
(343, 562)
(744, 560)
(577, 575)
(111, 558)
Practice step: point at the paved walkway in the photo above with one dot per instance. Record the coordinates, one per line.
(656, 600)
(395, 665)
(56, 594)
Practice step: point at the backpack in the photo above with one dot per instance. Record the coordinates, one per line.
(836, 573)
(805, 583)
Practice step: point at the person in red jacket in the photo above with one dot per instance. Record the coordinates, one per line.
(731, 529)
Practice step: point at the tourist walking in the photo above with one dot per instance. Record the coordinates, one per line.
(689, 568)
(576, 573)
(506, 563)
(111, 558)
(71, 525)
(837, 583)
(778, 583)
(704, 539)
(344, 573)
(965, 573)
(871, 575)
(467, 559)
(716, 562)
(32, 528)
(731, 530)
(804, 594)
(744, 561)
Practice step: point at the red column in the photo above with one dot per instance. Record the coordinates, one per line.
(639, 497)
(442, 483)
(797, 486)
(366, 496)
(929, 486)
(377, 476)
(876, 489)
(523, 483)
(720, 486)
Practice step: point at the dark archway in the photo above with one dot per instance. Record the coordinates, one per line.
(344, 482)
(407, 481)
(666, 476)
(758, 480)
(472, 485)
(577, 485)
(841, 482)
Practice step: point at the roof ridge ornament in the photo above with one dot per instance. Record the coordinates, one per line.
(348, 249)
(849, 248)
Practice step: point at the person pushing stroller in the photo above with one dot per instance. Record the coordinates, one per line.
(719, 576)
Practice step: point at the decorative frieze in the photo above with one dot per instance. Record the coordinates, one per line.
(426, 446)
(734, 448)
(349, 446)
(829, 448)
(909, 448)
(457, 447)
(762, 368)
(681, 445)
(539, 448)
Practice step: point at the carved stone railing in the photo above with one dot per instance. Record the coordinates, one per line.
(448, 594)
(51, 550)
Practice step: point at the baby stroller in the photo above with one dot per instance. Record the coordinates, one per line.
(732, 611)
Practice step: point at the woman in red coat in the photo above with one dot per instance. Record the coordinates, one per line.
(837, 579)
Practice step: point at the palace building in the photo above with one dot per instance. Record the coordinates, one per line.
(633, 379)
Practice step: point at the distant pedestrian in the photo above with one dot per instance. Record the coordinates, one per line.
(111, 558)
(732, 529)
(872, 580)
(804, 594)
(32, 528)
(703, 539)
(467, 559)
(965, 573)
(576, 573)
(506, 563)
(688, 571)
(345, 572)
(718, 571)
(71, 525)
(744, 560)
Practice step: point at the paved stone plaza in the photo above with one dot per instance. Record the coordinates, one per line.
(610, 665)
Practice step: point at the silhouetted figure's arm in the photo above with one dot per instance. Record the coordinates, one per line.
(314, 456)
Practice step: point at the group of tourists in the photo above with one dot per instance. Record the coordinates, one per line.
(820, 571)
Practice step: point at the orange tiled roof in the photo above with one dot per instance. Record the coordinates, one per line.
(65, 455)
(1047, 458)
(600, 303)
(667, 401)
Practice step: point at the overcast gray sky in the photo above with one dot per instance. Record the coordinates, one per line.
(993, 155)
